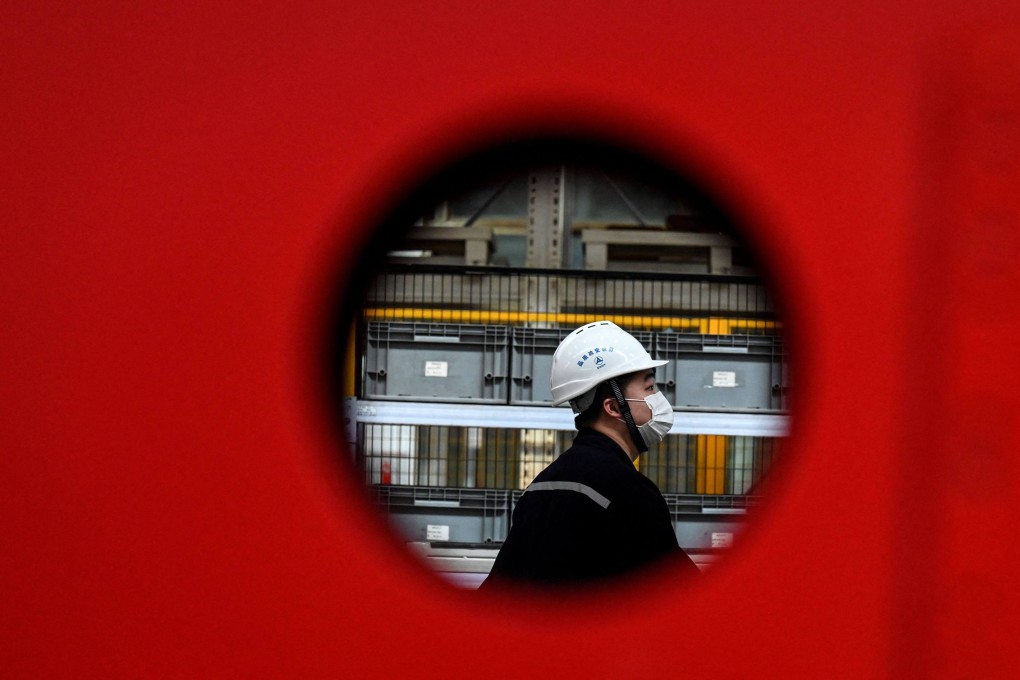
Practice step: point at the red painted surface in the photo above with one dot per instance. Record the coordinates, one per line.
(181, 185)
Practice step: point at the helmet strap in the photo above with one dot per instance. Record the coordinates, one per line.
(628, 418)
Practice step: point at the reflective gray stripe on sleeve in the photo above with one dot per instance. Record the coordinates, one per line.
(571, 486)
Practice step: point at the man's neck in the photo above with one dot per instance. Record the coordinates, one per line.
(618, 435)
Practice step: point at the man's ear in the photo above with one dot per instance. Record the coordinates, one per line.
(610, 406)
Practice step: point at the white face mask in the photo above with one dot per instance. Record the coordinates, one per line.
(662, 419)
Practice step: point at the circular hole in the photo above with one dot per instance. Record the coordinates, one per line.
(444, 344)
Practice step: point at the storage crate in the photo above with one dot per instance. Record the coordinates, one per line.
(707, 524)
(436, 362)
(447, 515)
(531, 352)
(722, 372)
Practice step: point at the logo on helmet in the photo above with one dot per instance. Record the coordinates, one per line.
(599, 361)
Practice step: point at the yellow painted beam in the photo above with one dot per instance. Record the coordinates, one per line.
(711, 326)
(717, 326)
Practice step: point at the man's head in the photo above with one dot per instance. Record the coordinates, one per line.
(637, 421)
(633, 386)
(601, 369)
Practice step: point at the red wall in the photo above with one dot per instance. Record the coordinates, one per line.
(181, 185)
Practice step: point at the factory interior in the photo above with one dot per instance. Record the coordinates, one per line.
(445, 365)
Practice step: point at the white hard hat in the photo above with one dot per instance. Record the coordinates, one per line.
(593, 354)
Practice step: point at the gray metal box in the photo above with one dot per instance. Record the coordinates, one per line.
(436, 362)
(722, 372)
(531, 351)
(447, 515)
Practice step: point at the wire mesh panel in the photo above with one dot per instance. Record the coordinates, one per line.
(711, 464)
(676, 303)
(491, 458)
(462, 457)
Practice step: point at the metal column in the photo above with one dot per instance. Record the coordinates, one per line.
(548, 228)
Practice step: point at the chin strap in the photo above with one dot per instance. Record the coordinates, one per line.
(627, 417)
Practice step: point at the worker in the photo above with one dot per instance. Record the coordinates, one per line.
(590, 514)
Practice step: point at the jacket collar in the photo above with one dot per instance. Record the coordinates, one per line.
(595, 439)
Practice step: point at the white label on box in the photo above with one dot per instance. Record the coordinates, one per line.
(436, 369)
(437, 532)
(724, 379)
(722, 539)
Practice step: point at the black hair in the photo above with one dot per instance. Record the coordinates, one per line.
(603, 391)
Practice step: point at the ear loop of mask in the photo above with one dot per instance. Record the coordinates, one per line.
(635, 435)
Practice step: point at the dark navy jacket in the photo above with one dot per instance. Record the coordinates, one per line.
(588, 516)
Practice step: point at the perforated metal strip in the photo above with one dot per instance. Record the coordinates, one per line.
(570, 486)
